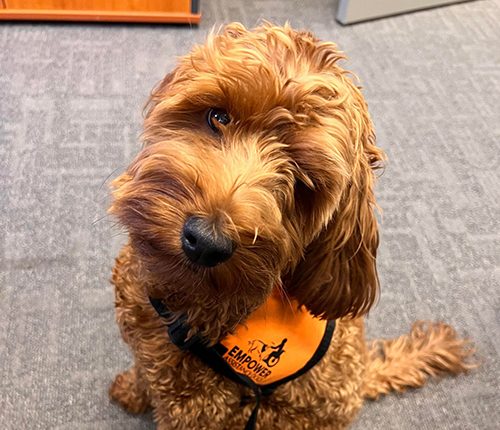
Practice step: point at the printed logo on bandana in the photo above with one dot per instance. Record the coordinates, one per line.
(257, 360)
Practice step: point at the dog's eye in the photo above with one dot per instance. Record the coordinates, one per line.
(217, 117)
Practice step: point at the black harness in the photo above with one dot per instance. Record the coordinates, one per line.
(212, 356)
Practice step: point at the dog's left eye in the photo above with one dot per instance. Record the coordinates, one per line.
(217, 117)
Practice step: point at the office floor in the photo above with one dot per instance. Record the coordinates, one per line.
(70, 116)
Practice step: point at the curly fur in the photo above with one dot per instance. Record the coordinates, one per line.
(290, 181)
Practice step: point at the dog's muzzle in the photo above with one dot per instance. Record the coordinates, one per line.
(204, 244)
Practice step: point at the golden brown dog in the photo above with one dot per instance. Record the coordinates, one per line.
(261, 142)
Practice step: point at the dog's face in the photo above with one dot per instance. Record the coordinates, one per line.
(256, 173)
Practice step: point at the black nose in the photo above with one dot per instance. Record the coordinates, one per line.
(203, 244)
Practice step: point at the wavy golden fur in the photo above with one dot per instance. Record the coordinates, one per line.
(290, 181)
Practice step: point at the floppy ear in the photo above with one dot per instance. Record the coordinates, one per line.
(338, 276)
(158, 94)
(121, 187)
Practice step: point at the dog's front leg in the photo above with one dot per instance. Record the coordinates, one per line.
(204, 402)
(130, 391)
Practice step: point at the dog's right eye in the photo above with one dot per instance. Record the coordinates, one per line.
(217, 117)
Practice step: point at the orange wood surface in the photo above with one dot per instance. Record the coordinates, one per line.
(102, 16)
(161, 11)
(178, 6)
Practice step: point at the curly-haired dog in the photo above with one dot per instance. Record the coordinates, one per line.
(253, 196)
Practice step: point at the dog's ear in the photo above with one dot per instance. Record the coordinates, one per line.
(121, 186)
(158, 94)
(337, 276)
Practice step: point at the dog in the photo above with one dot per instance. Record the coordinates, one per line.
(253, 196)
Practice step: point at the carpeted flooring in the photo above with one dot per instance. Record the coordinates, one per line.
(70, 115)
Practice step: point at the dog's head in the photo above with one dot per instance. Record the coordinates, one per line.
(256, 172)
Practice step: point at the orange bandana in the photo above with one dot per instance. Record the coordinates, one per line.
(275, 342)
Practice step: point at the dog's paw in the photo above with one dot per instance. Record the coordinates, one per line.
(126, 390)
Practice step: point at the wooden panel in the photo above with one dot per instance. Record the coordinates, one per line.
(98, 15)
(178, 6)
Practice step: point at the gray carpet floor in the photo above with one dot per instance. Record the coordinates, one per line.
(70, 116)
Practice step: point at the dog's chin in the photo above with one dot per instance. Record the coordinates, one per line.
(236, 278)
(247, 277)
